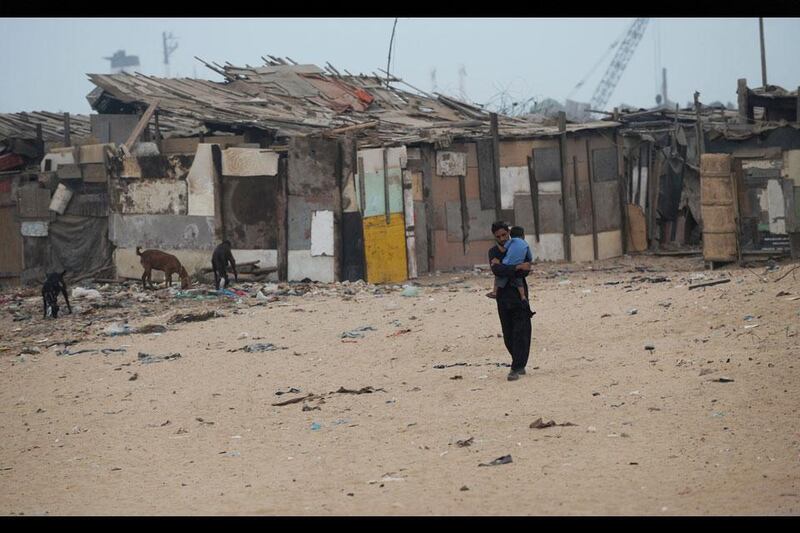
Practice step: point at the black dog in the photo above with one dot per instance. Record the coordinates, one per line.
(219, 262)
(52, 286)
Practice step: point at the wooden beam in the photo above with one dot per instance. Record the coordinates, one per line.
(356, 127)
(534, 185)
(137, 131)
(66, 130)
(494, 129)
(562, 148)
(591, 199)
(742, 92)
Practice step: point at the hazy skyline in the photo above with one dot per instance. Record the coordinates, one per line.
(46, 59)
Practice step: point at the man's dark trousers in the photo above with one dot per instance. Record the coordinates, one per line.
(516, 324)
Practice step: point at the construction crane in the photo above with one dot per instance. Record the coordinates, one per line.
(614, 71)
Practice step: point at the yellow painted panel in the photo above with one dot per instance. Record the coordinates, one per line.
(385, 249)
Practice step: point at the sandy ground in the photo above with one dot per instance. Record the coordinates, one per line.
(653, 433)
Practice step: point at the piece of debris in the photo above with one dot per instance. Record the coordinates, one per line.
(504, 460)
(194, 317)
(632, 311)
(457, 377)
(146, 358)
(465, 443)
(722, 380)
(357, 333)
(540, 424)
(290, 391)
(363, 390)
(295, 400)
(151, 328)
(399, 332)
(259, 347)
(463, 488)
(133, 377)
(649, 347)
(709, 283)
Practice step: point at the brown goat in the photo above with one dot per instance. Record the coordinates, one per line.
(167, 263)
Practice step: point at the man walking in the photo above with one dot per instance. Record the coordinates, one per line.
(514, 314)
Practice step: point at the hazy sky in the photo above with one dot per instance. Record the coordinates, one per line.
(45, 60)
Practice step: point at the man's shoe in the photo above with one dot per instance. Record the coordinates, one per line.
(513, 376)
(521, 372)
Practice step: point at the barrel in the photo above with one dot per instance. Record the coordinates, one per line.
(60, 199)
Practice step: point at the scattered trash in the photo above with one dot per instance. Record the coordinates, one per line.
(363, 390)
(67, 352)
(315, 426)
(465, 443)
(605, 315)
(399, 332)
(89, 294)
(751, 326)
(504, 460)
(194, 317)
(133, 377)
(722, 380)
(539, 424)
(748, 318)
(357, 333)
(410, 291)
(457, 377)
(709, 283)
(259, 347)
(464, 488)
(291, 390)
(632, 311)
(150, 328)
(706, 371)
(115, 330)
(649, 347)
(146, 358)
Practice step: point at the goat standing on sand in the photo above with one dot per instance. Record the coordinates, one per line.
(53, 284)
(167, 263)
(219, 263)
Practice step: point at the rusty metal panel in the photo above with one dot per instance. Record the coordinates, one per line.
(605, 164)
(607, 206)
(88, 205)
(547, 164)
(10, 244)
(33, 202)
(162, 231)
(249, 162)
(453, 221)
(249, 212)
(523, 213)
(485, 173)
(312, 167)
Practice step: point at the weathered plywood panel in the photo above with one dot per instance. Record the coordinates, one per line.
(637, 231)
(299, 220)
(777, 207)
(303, 265)
(312, 167)
(162, 231)
(551, 216)
(249, 162)
(321, 233)
(515, 153)
(513, 180)
(549, 248)
(153, 197)
(581, 248)
(609, 244)
(33, 202)
(450, 163)
(385, 249)
(200, 182)
(791, 166)
(607, 207)
(523, 213)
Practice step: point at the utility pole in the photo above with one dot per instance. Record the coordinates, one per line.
(664, 87)
(763, 53)
(168, 49)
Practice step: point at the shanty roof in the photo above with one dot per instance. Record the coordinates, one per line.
(293, 99)
(23, 125)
